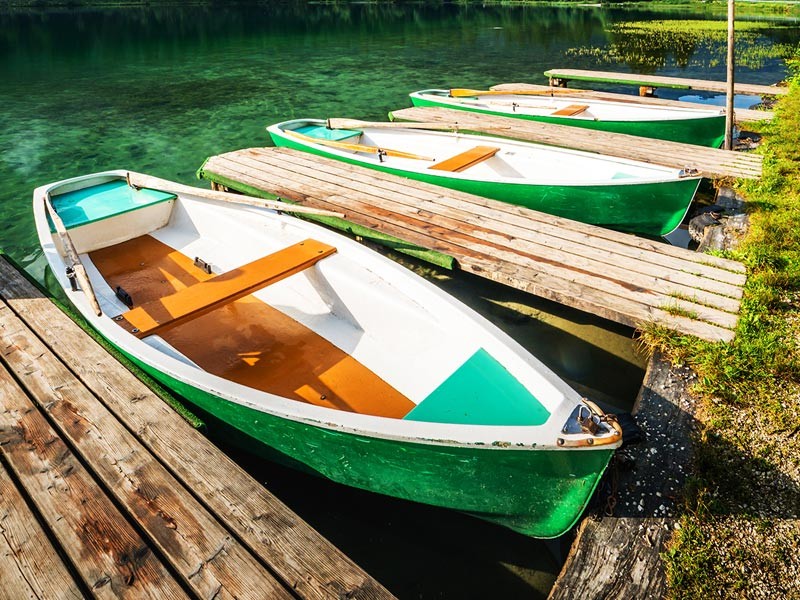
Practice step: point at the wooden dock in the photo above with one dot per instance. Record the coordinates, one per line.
(617, 276)
(106, 492)
(619, 555)
(560, 77)
(741, 115)
(710, 162)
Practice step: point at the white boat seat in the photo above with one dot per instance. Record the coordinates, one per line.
(467, 159)
(155, 316)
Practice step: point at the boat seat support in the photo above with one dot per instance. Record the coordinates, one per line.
(158, 315)
(467, 159)
(571, 110)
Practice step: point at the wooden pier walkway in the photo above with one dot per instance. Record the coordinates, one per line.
(710, 162)
(106, 492)
(741, 115)
(617, 276)
(560, 77)
(617, 552)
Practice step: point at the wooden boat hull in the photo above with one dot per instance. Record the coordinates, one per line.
(706, 131)
(645, 208)
(454, 414)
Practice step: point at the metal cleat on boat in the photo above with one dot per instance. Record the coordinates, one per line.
(588, 418)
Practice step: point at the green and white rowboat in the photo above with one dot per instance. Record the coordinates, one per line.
(611, 192)
(310, 345)
(699, 126)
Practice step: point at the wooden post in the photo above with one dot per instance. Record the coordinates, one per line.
(730, 80)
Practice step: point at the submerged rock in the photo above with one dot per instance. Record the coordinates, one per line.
(721, 226)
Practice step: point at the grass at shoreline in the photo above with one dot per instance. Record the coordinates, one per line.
(741, 528)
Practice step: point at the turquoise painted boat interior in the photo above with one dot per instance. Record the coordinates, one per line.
(324, 133)
(481, 392)
(98, 202)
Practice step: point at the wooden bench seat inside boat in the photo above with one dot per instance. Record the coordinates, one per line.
(571, 110)
(160, 314)
(467, 159)
(248, 341)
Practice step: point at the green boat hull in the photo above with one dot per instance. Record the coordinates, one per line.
(708, 131)
(650, 209)
(540, 493)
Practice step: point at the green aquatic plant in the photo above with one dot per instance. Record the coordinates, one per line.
(646, 46)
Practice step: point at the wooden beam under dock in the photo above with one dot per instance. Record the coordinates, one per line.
(615, 275)
(105, 491)
(741, 115)
(710, 162)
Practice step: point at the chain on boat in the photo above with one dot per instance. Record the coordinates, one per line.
(588, 418)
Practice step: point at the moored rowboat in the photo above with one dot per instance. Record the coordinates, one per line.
(700, 126)
(310, 345)
(611, 192)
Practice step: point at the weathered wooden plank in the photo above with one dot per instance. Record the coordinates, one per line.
(742, 115)
(565, 292)
(710, 162)
(650, 289)
(108, 554)
(291, 176)
(307, 563)
(472, 251)
(203, 553)
(619, 556)
(515, 228)
(707, 265)
(559, 290)
(30, 567)
(516, 222)
(662, 81)
(561, 227)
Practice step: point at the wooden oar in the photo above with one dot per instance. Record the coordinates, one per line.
(75, 263)
(460, 92)
(356, 124)
(148, 181)
(357, 147)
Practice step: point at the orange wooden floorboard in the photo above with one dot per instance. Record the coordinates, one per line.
(248, 341)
